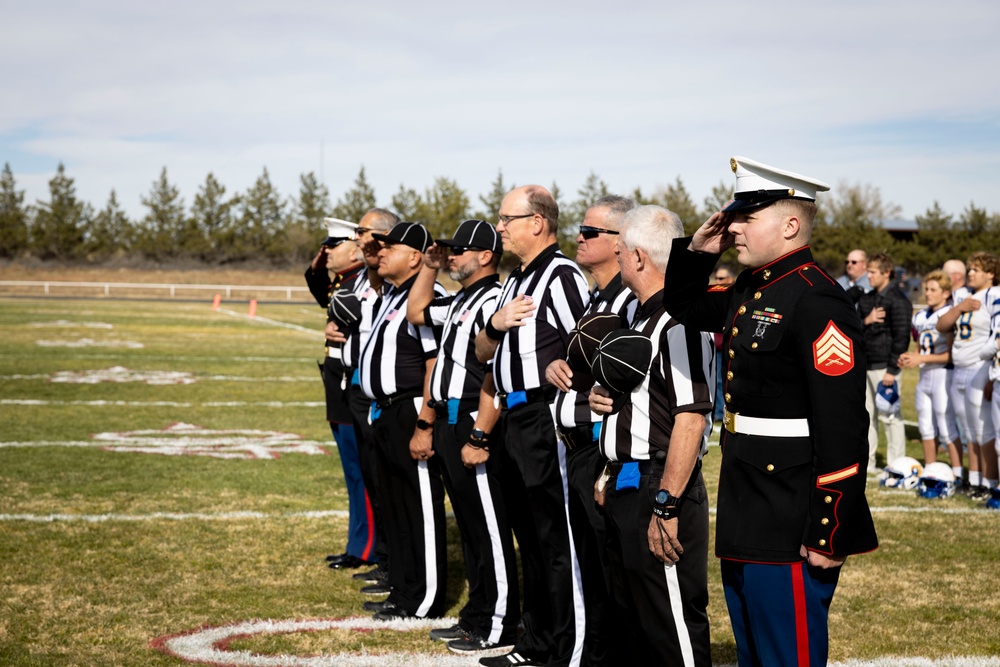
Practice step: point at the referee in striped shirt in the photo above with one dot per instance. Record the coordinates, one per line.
(539, 305)
(579, 428)
(367, 289)
(463, 433)
(655, 443)
(394, 368)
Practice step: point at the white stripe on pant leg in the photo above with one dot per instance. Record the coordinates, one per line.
(430, 544)
(677, 610)
(496, 547)
(579, 613)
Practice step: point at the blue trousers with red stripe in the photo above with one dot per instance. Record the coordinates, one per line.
(361, 523)
(779, 612)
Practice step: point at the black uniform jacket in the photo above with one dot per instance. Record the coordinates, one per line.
(336, 374)
(793, 348)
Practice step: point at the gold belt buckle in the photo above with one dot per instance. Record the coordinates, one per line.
(729, 421)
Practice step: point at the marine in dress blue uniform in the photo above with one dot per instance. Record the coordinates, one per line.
(337, 256)
(791, 504)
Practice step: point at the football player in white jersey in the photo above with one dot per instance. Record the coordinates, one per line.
(970, 320)
(991, 353)
(933, 357)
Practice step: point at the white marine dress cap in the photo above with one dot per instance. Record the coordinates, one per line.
(759, 185)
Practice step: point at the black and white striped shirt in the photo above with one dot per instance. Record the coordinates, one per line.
(322, 289)
(358, 334)
(572, 407)
(681, 378)
(560, 294)
(393, 359)
(457, 373)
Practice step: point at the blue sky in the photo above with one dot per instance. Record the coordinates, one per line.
(902, 96)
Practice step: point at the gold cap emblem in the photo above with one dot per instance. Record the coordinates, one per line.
(732, 164)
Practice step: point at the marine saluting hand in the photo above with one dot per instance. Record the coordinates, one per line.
(713, 236)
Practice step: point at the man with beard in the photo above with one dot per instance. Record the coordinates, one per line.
(463, 433)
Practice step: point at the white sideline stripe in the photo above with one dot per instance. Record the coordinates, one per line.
(166, 441)
(276, 323)
(170, 404)
(173, 516)
(219, 378)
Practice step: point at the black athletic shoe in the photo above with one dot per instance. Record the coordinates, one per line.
(374, 605)
(448, 634)
(376, 575)
(980, 493)
(376, 589)
(473, 643)
(392, 613)
(508, 660)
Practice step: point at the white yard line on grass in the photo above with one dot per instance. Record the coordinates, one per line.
(216, 378)
(276, 323)
(173, 516)
(169, 404)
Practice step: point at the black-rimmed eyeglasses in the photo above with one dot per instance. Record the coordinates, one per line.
(589, 233)
(505, 219)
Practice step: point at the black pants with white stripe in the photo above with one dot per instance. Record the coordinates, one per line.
(412, 501)
(667, 604)
(533, 471)
(584, 464)
(493, 609)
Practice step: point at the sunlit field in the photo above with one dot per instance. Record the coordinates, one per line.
(166, 467)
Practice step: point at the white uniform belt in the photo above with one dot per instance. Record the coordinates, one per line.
(775, 428)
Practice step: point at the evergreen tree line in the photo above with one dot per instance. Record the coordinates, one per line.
(263, 226)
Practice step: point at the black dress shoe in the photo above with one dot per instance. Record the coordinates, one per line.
(333, 558)
(347, 563)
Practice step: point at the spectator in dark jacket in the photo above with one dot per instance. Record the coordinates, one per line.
(886, 313)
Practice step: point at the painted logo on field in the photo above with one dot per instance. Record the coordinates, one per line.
(211, 646)
(122, 374)
(182, 439)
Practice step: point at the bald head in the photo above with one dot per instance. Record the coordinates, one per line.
(955, 268)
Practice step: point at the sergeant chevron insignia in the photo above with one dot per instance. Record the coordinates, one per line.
(833, 352)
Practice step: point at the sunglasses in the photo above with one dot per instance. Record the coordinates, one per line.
(462, 249)
(589, 233)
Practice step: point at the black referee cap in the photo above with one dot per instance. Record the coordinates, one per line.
(411, 234)
(345, 308)
(583, 343)
(622, 362)
(477, 234)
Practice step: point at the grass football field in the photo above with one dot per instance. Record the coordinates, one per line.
(168, 483)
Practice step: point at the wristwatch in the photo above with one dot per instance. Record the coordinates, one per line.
(424, 425)
(478, 434)
(665, 505)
